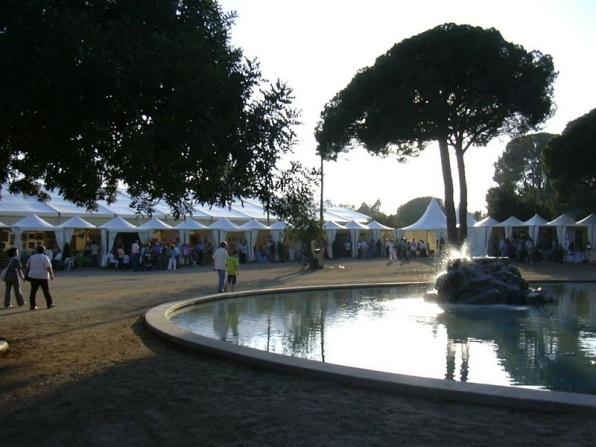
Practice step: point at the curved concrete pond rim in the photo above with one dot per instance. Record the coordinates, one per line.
(158, 321)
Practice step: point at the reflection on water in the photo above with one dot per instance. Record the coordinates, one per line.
(395, 330)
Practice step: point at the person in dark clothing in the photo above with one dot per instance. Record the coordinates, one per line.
(14, 278)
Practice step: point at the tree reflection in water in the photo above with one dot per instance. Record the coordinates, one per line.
(393, 329)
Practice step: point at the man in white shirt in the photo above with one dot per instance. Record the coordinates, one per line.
(135, 255)
(220, 257)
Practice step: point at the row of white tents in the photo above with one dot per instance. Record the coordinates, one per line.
(480, 233)
(109, 230)
(21, 213)
(250, 218)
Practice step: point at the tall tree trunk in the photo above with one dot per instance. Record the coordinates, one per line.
(448, 182)
(322, 179)
(463, 194)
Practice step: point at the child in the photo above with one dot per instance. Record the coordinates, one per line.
(233, 265)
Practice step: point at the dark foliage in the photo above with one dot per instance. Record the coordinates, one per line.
(570, 162)
(523, 186)
(150, 94)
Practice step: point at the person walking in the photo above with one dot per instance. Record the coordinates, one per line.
(220, 257)
(40, 271)
(233, 265)
(14, 278)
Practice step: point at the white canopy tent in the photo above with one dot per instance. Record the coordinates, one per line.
(251, 233)
(109, 232)
(590, 223)
(433, 219)
(278, 230)
(480, 238)
(377, 227)
(534, 223)
(68, 227)
(221, 228)
(154, 224)
(340, 215)
(508, 225)
(563, 224)
(32, 222)
(188, 226)
(331, 228)
(355, 229)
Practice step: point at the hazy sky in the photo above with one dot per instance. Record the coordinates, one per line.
(316, 47)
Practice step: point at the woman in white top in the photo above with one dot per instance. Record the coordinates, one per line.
(39, 271)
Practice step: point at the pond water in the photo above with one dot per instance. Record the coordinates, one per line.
(393, 329)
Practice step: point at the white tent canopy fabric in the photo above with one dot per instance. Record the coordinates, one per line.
(355, 229)
(251, 234)
(331, 228)
(77, 223)
(433, 218)
(534, 223)
(221, 228)
(109, 232)
(562, 224)
(32, 222)
(590, 223)
(339, 214)
(184, 229)
(68, 227)
(480, 236)
(278, 230)
(154, 224)
(508, 224)
(377, 227)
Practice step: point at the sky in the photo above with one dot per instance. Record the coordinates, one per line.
(316, 47)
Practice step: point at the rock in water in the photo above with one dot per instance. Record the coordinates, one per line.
(484, 281)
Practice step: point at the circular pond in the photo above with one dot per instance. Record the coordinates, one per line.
(389, 337)
(394, 330)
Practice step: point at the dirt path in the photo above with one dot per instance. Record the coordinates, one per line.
(88, 372)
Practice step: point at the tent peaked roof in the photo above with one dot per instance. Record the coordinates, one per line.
(254, 225)
(191, 224)
(353, 225)
(511, 222)
(33, 222)
(588, 220)
(280, 225)
(77, 222)
(333, 225)
(535, 221)
(374, 225)
(3, 225)
(224, 224)
(562, 220)
(155, 224)
(486, 222)
(432, 219)
(341, 214)
(118, 224)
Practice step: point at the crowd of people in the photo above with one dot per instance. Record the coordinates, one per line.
(522, 248)
(392, 249)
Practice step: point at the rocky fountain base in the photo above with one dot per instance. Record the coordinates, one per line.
(484, 281)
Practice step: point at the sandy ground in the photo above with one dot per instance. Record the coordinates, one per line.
(88, 372)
